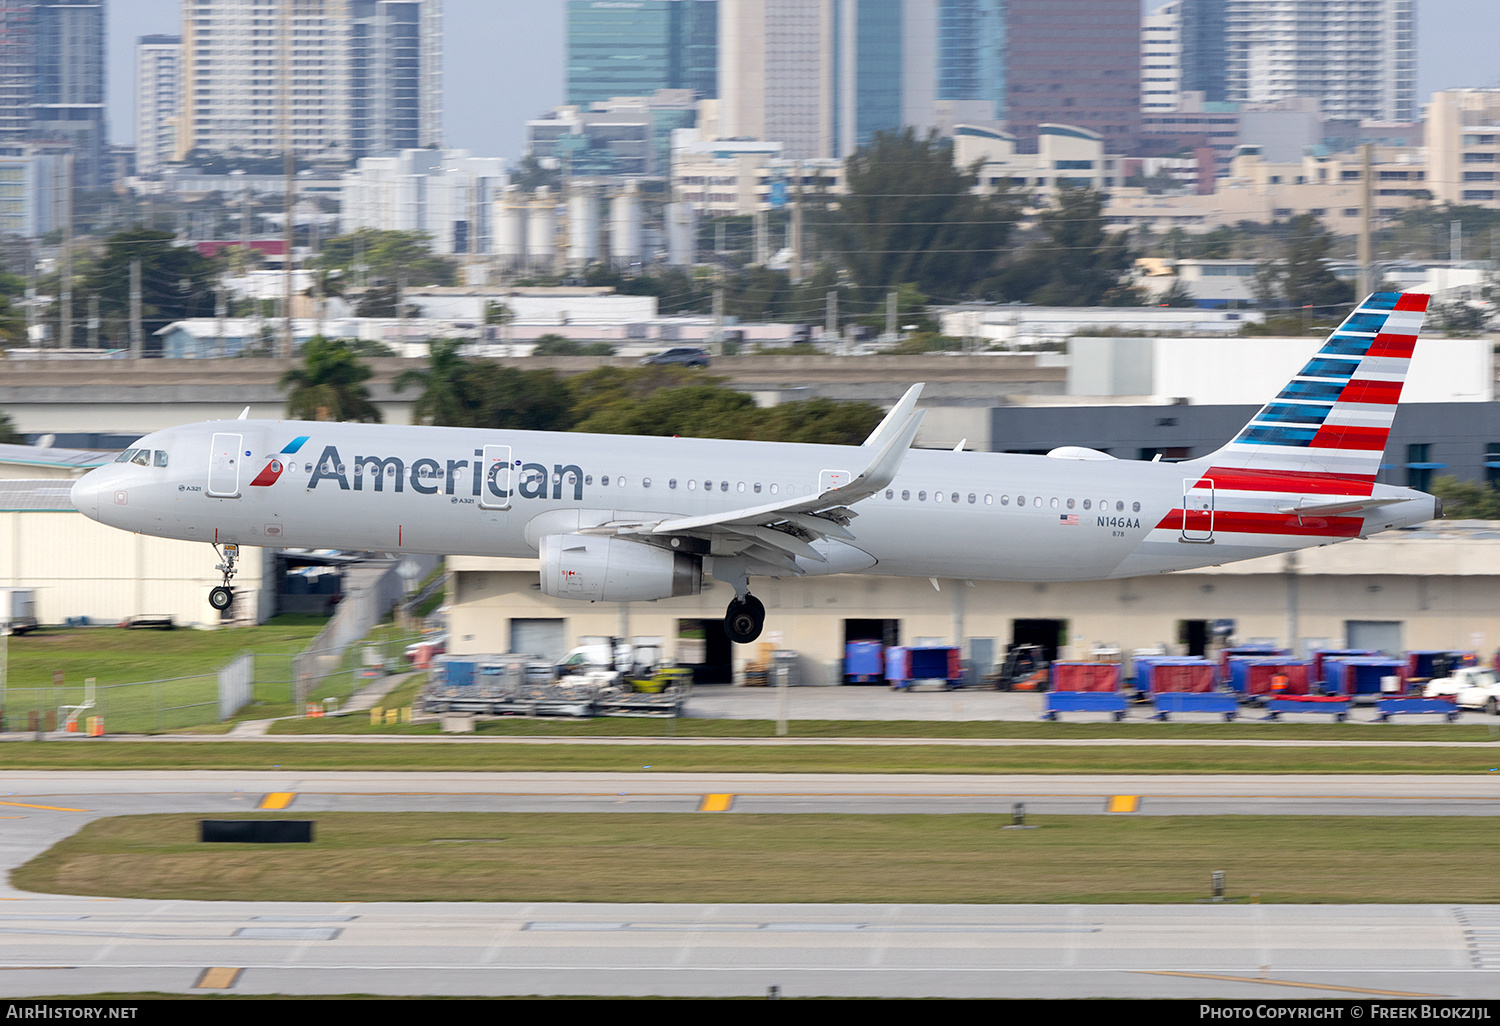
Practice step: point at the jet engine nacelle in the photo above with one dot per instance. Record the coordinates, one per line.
(601, 568)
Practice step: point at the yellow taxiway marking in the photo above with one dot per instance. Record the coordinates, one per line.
(217, 978)
(49, 808)
(277, 800)
(716, 803)
(1293, 983)
(1124, 803)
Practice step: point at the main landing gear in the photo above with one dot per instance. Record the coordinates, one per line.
(222, 597)
(744, 619)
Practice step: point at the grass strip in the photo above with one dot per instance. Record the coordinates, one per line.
(706, 858)
(255, 755)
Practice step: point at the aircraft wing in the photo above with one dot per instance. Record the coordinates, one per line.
(783, 530)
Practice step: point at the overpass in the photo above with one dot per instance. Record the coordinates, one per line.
(104, 403)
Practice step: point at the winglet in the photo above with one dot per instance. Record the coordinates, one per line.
(894, 420)
(244, 414)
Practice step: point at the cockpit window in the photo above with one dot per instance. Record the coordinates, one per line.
(142, 458)
(124, 457)
(160, 459)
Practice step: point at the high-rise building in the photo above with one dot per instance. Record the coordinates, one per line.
(1073, 62)
(333, 79)
(69, 87)
(971, 59)
(1357, 58)
(52, 81)
(819, 76)
(1161, 58)
(158, 101)
(1463, 147)
(395, 75)
(1203, 57)
(638, 48)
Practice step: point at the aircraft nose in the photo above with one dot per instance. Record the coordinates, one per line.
(85, 495)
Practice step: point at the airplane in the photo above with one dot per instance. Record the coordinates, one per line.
(623, 519)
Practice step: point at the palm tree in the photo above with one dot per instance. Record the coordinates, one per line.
(329, 385)
(446, 392)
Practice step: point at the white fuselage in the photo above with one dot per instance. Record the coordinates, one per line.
(982, 516)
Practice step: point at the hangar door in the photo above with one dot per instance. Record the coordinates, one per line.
(545, 638)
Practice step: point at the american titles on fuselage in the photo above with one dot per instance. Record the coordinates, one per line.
(431, 476)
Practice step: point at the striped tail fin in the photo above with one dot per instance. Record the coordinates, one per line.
(1325, 433)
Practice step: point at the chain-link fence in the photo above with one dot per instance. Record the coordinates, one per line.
(349, 653)
(137, 708)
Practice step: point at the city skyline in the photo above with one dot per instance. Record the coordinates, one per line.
(514, 50)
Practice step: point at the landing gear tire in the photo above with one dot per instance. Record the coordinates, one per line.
(744, 620)
(221, 598)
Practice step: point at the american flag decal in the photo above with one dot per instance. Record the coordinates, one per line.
(1068, 520)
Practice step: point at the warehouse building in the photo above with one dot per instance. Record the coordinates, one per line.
(1427, 588)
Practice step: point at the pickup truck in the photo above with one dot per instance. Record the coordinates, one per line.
(1472, 687)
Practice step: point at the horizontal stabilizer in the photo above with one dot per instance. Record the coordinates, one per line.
(1331, 509)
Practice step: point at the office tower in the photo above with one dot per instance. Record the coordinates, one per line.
(1161, 58)
(52, 81)
(819, 76)
(1463, 147)
(1357, 58)
(69, 87)
(395, 69)
(635, 49)
(1202, 28)
(334, 79)
(1074, 62)
(971, 60)
(158, 101)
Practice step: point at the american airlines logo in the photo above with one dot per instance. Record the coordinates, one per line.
(431, 476)
(272, 471)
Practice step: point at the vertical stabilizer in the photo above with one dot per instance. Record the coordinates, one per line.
(1325, 432)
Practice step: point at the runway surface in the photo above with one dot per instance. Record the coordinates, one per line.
(81, 945)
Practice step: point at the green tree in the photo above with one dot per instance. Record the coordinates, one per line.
(8, 433)
(1301, 278)
(1074, 262)
(446, 397)
(672, 401)
(387, 257)
(529, 400)
(176, 281)
(380, 301)
(329, 384)
(909, 215)
(553, 344)
(1464, 500)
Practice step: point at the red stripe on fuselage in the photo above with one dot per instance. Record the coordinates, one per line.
(1299, 482)
(1396, 346)
(1233, 522)
(1345, 436)
(1386, 393)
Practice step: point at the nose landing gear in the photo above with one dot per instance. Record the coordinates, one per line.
(744, 619)
(222, 597)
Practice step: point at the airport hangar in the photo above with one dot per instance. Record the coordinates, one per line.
(1133, 396)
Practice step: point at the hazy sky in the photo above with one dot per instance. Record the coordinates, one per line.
(504, 60)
